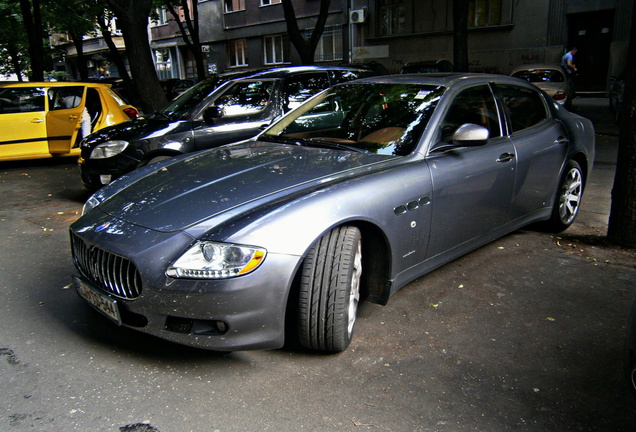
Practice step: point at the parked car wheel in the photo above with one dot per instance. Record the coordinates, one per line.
(330, 290)
(154, 159)
(568, 199)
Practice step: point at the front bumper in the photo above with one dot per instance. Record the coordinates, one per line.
(96, 173)
(241, 313)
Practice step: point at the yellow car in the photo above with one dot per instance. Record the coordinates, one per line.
(49, 119)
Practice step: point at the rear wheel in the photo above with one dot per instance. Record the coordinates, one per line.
(568, 198)
(330, 290)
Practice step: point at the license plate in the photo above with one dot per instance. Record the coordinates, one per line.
(100, 301)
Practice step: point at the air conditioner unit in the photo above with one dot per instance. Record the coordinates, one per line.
(357, 16)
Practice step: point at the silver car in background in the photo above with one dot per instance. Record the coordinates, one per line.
(360, 190)
(551, 78)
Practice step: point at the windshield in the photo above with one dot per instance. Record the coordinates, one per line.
(181, 106)
(386, 119)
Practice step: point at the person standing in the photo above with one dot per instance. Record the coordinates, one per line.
(567, 61)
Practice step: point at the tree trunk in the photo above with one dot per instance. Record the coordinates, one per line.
(116, 56)
(622, 221)
(306, 48)
(460, 35)
(33, 24)
(82, 69)
(132, 17)
(190, 33)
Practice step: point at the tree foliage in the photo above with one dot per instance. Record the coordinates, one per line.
(13, 41)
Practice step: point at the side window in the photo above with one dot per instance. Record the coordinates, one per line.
(21, 99)
(475, 105)
(245, 97)
(65, 97)
(525, 107)
(298, 89)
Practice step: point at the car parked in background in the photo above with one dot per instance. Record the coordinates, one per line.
(173, 87)
(550, 78)
(48, 119)
(350, 196)
(207, 115)
(427, 66)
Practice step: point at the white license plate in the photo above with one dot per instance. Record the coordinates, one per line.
(100, 301)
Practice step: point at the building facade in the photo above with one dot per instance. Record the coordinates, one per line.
(503, 34)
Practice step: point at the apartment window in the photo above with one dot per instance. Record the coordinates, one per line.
(274, 50)
(163, 63)
(269, 2)
(483, 13)
(392, 17)
(234, 5)
(237, 53)
(330, 46)
(161, 16)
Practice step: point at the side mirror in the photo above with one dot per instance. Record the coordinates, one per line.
(470, 134)
(211, 113)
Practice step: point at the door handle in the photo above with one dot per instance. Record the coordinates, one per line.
(37, 120)
(505, 157)
(561, 140)
(72, 117)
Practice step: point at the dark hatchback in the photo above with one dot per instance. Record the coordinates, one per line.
(205, 116)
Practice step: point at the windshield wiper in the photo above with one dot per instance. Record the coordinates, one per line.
(281, 139)
(161, 114)
(333, 145)
(308, 142)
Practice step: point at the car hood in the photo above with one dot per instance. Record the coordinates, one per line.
(140, 128)
(232, 179)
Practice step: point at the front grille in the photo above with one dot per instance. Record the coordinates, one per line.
(112, 273)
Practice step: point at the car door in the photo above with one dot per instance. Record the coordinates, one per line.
(66, 109)
(23, 122)
(540, 145)
(472, 185)
(240, 112)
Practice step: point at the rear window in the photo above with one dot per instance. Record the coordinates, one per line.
(525, 107)
(540, 75)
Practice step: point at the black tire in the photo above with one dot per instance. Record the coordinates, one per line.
(153, 160)
(568, 198)
(330, 290)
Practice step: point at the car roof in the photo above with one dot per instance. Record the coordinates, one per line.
(53, 84)
(538, 66)
(441, 79)
(282, 72)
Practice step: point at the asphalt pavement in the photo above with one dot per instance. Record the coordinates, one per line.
(524, 334)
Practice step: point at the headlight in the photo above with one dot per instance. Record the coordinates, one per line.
(212, 260)
(108, 149)
(91, 203)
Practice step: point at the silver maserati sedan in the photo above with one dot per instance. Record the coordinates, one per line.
(358, 191)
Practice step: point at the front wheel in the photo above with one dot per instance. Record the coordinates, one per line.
(330, 290)
(568, 198)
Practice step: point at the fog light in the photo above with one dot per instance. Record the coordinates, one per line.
(105, 179)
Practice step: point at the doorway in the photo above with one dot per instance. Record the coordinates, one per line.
(591, 33)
